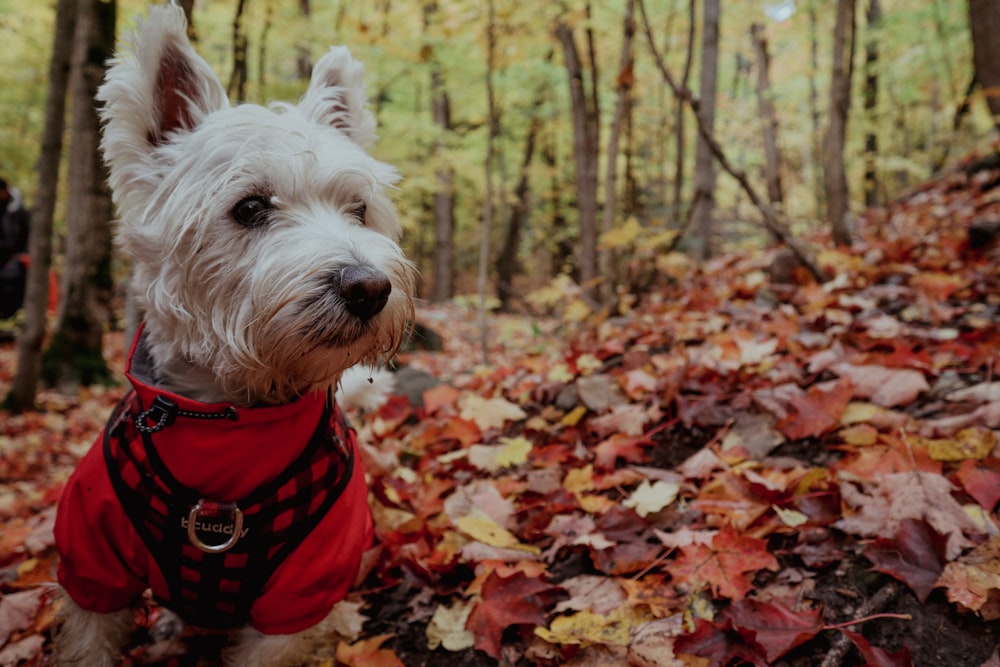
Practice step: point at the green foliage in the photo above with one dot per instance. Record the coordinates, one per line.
(924, 66)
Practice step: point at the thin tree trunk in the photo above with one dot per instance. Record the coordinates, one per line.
(265, 33)
(444, 197)
(237, 88)
(768, 116)
(24, 386)
(303, 59)
(585, 153)
(818, 171)
(870, 183)
(487, 224)
(507, 259)
(984, 22)
(840, 104)
(701, 230)
(681, 140)
(624, 83)
(771, 219)
(75, 356)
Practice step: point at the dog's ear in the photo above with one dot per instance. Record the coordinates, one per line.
(156, 85)
(336, 96)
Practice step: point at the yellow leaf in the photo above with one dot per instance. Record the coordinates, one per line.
(481, 527)
(515, 451)
(859, 434)
(447, 628)
(586, 627)
(560, 373)
(969, 443)
(791, 518)
(651, 498)
(579, 480)
(576, 310)
(621, 237)
(574, 416)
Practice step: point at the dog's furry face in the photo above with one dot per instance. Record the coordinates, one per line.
(263, 241)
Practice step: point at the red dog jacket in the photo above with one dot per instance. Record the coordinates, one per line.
(232, 516)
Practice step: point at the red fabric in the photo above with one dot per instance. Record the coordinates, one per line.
(105, 564)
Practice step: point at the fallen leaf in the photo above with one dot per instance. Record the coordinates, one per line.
(368, 653)
(447, 627)
(973, 580)
(651, 498)
(507, 601)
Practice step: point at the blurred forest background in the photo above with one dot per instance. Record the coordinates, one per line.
(587, 139)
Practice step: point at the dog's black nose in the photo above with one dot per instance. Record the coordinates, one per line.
(364, 290)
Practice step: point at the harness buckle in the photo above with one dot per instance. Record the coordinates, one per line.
(208, 517)
(163, 411)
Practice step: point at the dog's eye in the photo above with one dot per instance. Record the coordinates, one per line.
(357, 210)
(252, 211)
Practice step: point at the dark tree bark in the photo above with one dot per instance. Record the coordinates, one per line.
(703, 200)
(624, 84)
(237, 88)
(816, 153)
(679, 133)
(768, 117)
(24, 386)
(303, 59)
(518, 216)
(75, 356)
(873, 18)
(585, 113)
(444, 199)
(840, 104)
(984, 22)
(492, 129)
(771, 220)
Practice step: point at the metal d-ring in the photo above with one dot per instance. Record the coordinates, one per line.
(214, 508)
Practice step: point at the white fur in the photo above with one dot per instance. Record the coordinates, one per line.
(239, 314)
(244, 314)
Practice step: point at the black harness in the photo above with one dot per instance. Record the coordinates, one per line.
(216, 556)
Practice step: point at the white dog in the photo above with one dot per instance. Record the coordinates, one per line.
(265, 261)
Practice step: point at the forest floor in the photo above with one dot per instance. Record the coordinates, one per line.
(742, 467)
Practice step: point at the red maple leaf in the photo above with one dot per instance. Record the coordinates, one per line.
(981, 480)
(817, 411)
(725, 566)
(878, 657)
(915, 556)
(775, 627)
(507, 601)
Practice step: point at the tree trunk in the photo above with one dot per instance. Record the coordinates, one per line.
(585, 153)
(701, 229)
(870, 183)
(24, 386)
(237, 88)
(443, 286)
(984, 22)
(768, 116)
(681, 139)
(303, 59)
(815, 157)
(840, 104)
(507, 259)
(772, 221)
(487, 222)
(624, 83)
(444, 199)
(75, 355)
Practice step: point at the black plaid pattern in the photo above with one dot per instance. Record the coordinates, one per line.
(216, 590)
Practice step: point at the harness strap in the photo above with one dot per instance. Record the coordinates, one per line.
(216, 587)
